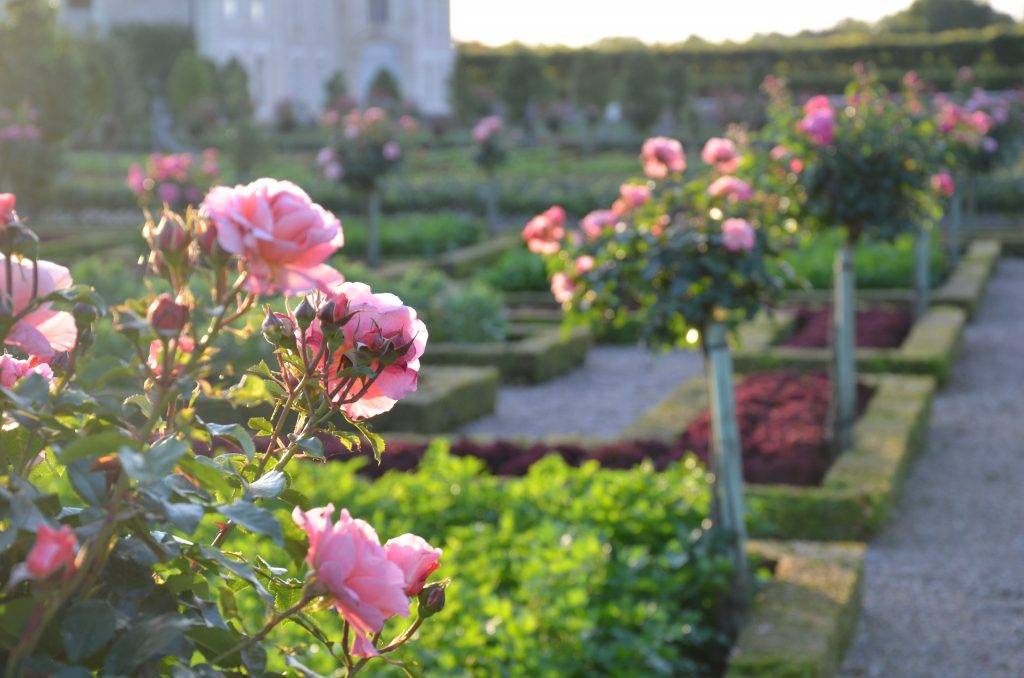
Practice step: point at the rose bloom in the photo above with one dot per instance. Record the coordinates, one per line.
(942, 184)
(595, 222)
(731, 188)
(722, 154)
(562, 287)
(738, 235)
(817, 103)
(989, 145)
(779, 152)
(583, 264)
(136, 179)
(486, 127)
(543, 234)
(392, 151)
(819, 125)
(155, 360)
(13, 370)
(377, 324)
(43, 331)
(53, 551)
(662, 156)
(7, 201)
(168, 193)
(980, 121)
(416, 558)
(282, 237)
(363, 585)
(634, 195)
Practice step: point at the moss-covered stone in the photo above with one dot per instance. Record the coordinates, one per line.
(536, 353)
(801, 623)
(447, 397)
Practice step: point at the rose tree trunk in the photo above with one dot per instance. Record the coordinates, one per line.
(922, 270)
(844, 332)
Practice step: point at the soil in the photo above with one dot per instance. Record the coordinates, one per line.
(881, 327)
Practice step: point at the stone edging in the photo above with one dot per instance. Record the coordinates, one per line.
(802, 621)
(855, 496)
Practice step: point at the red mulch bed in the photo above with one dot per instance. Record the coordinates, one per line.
(783, 418)
(882, 327)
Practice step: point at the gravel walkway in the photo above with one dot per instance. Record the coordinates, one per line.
(615, 386)
(944, 593)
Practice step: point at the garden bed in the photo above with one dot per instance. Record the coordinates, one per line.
(929, 348)
(533, 353)
(445, 399)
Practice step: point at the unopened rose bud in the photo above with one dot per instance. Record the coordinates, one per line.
(304, 314)
(84, 315)
(277, 329)
(170, 237)
(166, 316)
(206, 237)
(431, 598)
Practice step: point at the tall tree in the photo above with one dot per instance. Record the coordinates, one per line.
(644, 94)
(943, 15)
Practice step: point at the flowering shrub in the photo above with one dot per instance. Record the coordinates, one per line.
(129, 521)
(177, 180)
(366, 146)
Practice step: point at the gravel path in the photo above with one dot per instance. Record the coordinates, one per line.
(615, 386)
(944, 593)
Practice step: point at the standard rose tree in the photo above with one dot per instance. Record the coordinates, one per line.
(125, 492)
(366, 146)
(684, 260)
(490, 155)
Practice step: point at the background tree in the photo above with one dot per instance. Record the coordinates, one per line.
(589, 89)
(522, 83)
(943, 15)
(192, 92)
(643, 90)
(385, 90)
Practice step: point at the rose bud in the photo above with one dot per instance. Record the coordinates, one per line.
(431, 598)
(169, 237)
(167, 317)
(206, 237)
(53, 551)
(304, 314)
(278, 330)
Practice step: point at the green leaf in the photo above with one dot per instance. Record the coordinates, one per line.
(249, 392)
(140, 401)
(254, 518)
(154, 465)
(240, 570)
(93, 445)
(143, 642)
(86, 627)
(311, 446)
(213, 641)
(237, 433)
(209, 473)
(269, 486)
(261, 426)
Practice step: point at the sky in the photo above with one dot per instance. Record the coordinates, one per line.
(582, 22)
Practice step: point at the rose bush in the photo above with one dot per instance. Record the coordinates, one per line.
(127, 509)
(176, 180)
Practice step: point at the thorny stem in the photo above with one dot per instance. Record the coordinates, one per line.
(268, 627)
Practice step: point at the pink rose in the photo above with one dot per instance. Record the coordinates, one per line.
(168, 193)
(333, 171)
(166, 316)
(779, 152)
(562, 287)
(155, 360)
(13, 370)
(662, 156)
(415, 558)
(379, 330)
(634, 195)
(730, 188)
(942, 184)
(486, 127)
(136, 179)
(595, 222)
(721, 154)
(282, 237)
(819, 125)
(543, 234)
(981, 122)
(53, 551)
(325, 156)
(363, 585)
(738, 235)
(817, 103)
(583, 264)
(7, 201)
(391, 151)
(43, 331)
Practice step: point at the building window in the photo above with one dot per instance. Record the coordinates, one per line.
(256, 10)
(379, 12)
(230, 8)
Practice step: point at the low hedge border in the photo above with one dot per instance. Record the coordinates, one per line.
(855, 496)
(963, 287)
(801, 623)
(445, 399)
(1011, 238)
(930, 347)
(465, 261)
(536, 354)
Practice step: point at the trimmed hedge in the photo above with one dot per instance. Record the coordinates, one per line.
(446, 398)
(857, 492)
(966, 286)
(930, 348)
(534, 353)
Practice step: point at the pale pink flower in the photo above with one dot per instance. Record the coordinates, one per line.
(333, 171)
(942, 184)
(543, 234)
(635, 195)
(349, 562)
(980, 121)
(415, 558)
(817, 103)
(325, 156)
(730, 188)
(779, 152)
(282, 237)
(819, 125)
(382, 331)
(486, 127)
(136, 179)
(562, 287)
(53, 551)
(391, 151)
(662, 156)
(43, 331)
(721, 154)
(13, 370)
(595, 222)
(583, 264)
(738, 235)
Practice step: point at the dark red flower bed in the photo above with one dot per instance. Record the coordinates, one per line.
(782, 416)
(883, 327)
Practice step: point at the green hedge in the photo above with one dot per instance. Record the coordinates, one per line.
(562, 572)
